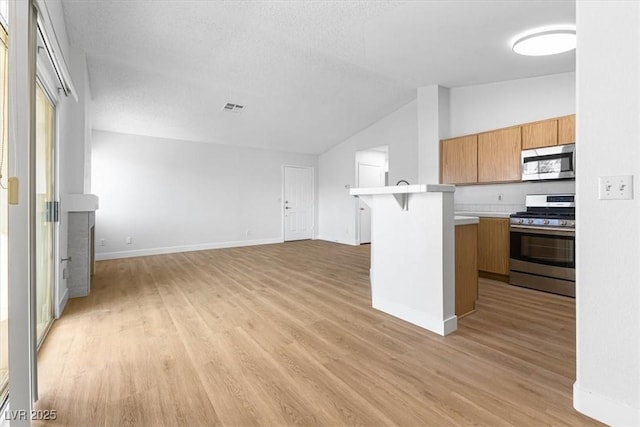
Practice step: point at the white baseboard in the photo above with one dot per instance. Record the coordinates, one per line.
(188, 248)
(337, 240)
(603, 409)
(439, 326)
(62, 303)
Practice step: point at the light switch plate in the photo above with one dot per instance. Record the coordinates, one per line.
(615, 187)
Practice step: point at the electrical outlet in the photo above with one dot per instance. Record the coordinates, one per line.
(103, 242)
(500, 197)
(248, 232)
(615, 187)
(128, 240)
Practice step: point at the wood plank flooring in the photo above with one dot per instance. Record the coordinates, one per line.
(285, 335)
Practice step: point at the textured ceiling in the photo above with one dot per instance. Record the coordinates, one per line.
(310, 73)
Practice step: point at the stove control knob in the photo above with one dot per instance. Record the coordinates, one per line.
(520, 221)
(563, 222)
(545, 222)
(530, 221)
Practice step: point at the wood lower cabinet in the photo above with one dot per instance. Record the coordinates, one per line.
(540, 134)
(499, 155)
(567, 130)
(459, 160)
(493, 245)
(466, 268)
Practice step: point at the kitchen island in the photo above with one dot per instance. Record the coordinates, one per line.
(412, 253)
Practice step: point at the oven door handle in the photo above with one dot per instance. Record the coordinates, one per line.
(543, 230)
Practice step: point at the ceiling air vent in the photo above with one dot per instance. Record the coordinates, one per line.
(233, 108)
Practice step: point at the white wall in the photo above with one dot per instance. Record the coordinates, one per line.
(608, 233)
(485, 107)
(171, 196)
(480, 108)
(399, 130)
(433, 125)
(73, 149)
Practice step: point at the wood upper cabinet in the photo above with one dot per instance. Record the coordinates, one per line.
(495, 156)
(499, 155)
(459, 160)
(493, 245)
(567, 130)
(540, 134)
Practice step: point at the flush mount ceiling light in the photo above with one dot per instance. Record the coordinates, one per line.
(546, 42)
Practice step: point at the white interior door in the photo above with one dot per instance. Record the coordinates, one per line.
(298, 203)
(368, 176)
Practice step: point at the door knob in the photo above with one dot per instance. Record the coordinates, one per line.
(361, 209)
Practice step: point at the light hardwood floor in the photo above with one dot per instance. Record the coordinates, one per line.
(285, 334)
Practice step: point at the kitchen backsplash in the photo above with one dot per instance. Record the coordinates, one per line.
(505, 197)
(503, 207)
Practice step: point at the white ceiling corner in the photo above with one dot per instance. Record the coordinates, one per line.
(311, 73)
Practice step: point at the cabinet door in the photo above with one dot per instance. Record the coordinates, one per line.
(493, 245)
(459, 160)
(499, 155)
(466, 268)
(567, 130)
(540, 134)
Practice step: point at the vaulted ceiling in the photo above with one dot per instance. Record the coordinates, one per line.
(309, 73)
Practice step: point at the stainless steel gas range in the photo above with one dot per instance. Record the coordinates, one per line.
(542, 251)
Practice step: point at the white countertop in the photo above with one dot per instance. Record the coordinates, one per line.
(466, 220)
(484, 214)
(403, 189)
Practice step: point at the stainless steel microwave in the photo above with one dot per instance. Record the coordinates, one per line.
(557, 162)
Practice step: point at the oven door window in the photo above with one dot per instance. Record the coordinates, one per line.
(545, 249)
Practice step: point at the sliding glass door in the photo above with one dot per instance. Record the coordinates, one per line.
(45, 212)
(4, 224)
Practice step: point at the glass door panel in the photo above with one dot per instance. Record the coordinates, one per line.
(45, 266)
(4, 226)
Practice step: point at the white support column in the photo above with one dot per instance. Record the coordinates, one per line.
(433, 125)
(21, 141)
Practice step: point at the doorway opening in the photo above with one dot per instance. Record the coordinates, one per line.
(372, 170)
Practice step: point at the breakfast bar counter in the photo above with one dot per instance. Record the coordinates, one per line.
(412, 253)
